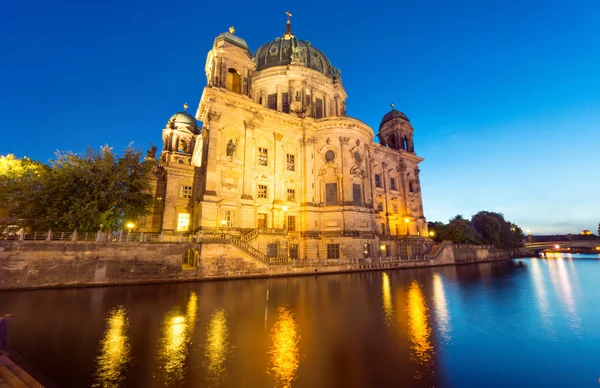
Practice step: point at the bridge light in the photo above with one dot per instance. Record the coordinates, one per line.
(557, 246)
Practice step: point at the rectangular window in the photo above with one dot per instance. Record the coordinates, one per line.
(291, 195)
(228, 218)
(377, 180)
(331, 194)
(183, 222)
(285, 103)
(291, 223)
(356, 197)
(186, 191)
(294, 251)
(379, 206)
(262, 191)
(272, 249)
(272, 101)
(367, 250)
(382, 228)
(395, 209)
(262, 221)
(263, 156)
(333, 251)
(318, 108)
(291, 162)
(393, 184)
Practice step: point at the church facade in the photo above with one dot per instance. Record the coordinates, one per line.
(280, 167)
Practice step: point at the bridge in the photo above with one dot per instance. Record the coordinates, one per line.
(566, 245)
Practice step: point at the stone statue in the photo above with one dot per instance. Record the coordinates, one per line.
(231, 146)
(151, 153)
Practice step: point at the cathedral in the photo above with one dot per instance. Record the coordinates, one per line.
(280, 168)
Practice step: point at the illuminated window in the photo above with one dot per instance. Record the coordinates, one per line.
(262, 191)
(234, 81)
(367, 250)
(392, 184)
(294, 251)
(186, 191)
(291, 223)
(395, 209)
(291, 195)
(291, 162)
(377, 180)
(228, 217)
(262, 156)
(183, 222)
(333, 251)
(262, 221)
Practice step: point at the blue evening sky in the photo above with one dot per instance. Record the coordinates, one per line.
(504, 96)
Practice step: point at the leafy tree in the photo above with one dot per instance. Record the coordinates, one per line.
(83, 191)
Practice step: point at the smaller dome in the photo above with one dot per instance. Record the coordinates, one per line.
(184, 118)
(393, 114)
(233, 39)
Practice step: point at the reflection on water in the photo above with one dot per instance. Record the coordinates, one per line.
(217, 348)
(419, 330)
(178, 332)
(114, 350)
(540, 290)
(386, 293)
(562, 286)
(285, 354)
(441, 307)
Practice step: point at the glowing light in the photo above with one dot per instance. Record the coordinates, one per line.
(130, 225)
(441, 308)
(382, 247)
(419, 330)
(540, 291)
(432, 233)
(285, 354)
(406, 220)
(223, 222)
(217, 348)
(386, 294)
(285, 208)
(557, 246)
(114, 350)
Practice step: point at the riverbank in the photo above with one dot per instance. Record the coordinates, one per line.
(56, 264)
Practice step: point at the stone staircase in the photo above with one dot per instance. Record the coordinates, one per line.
(244, 246)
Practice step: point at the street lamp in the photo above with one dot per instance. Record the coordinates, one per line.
(406, 222)
(130, 226)
(431, 233)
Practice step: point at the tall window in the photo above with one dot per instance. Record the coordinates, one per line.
(186, 191)
(262, 191)
(272, 101)
(377, 180)
(395, 208)
(331, 194)
(262, 221)
(411, 186)
(367, 250)
(333, 251)
(291, 195)
(379, 206)
(291, 223)
(285, 103)
(393, 184)
(234, 81)
(272, 249)
(183, 222)
(291, 162)
(262, 156)
(318, 108)
(356, 197)
(294, 251)
(228, 217)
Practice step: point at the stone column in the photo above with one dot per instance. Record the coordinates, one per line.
(279, 102)
(346, 188)
(248, 157)
(337, 105)
(277, 137)
(213, 151)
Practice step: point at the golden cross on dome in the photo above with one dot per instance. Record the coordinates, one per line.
(185, 106)
(231, 30)
(288, 27)
(289, 15)
(392, 105)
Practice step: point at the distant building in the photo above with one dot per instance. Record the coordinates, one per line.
(279, 161)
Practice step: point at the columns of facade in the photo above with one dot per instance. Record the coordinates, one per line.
(213, 150)
(346, 188)
(312, 103)
(386, 208)
(248, 159)
(277, 137)
(337, 105)
(279, 101)
(404, 203)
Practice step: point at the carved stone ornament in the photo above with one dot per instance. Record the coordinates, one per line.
(229, 180)
(344, 140)
(214, 116)
(357, 142)
(328, 141)
(401, 167)
(278, 136)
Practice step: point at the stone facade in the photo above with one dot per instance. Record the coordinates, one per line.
(280, 164)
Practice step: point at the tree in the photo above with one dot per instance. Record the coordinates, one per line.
(83, 191)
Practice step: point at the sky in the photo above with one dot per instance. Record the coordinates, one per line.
(504, 96)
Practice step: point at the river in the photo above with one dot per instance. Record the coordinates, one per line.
(525, 322)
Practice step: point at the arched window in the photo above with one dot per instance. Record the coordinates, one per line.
(234, 81)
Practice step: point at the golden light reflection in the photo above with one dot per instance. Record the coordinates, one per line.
(285, 354)
(419, 330)
(562, 286)
(386, 294)
(178, 331)
(114, 350)
(441, 307)
(217, 348)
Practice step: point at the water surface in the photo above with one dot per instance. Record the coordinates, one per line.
(530, 322)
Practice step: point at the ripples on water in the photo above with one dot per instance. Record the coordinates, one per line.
(449, 326)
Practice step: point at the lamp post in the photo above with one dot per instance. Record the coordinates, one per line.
(130, 226)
